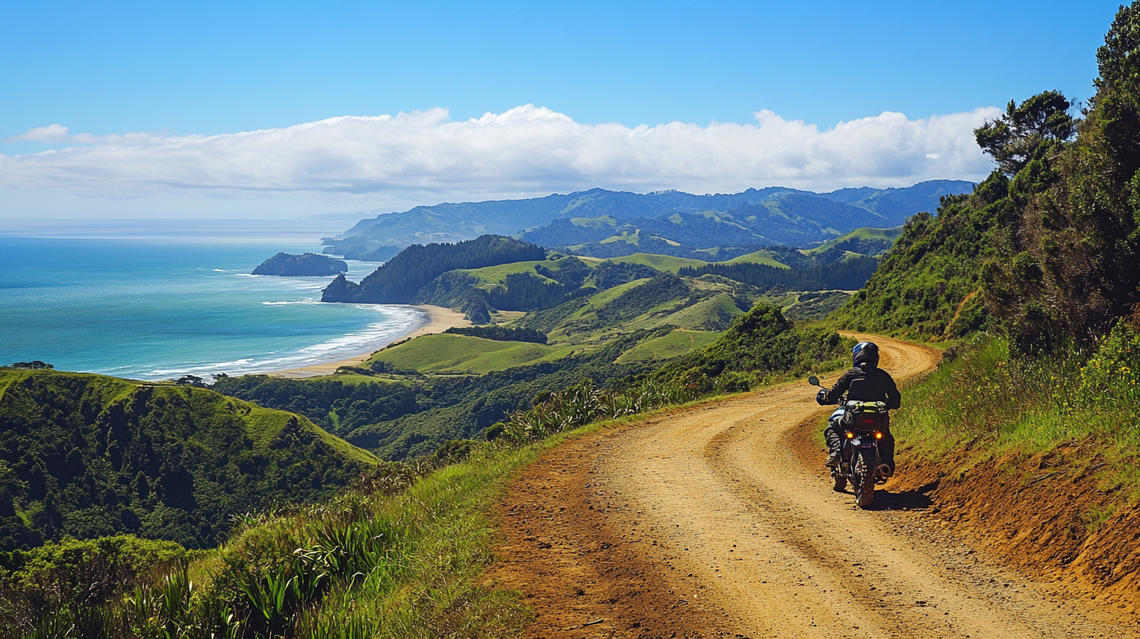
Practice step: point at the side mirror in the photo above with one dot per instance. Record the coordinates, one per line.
(813, 380)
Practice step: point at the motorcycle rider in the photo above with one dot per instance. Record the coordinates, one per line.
(864, 382)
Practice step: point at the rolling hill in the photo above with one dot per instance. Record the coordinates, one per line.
(86, 455)
(607, 223)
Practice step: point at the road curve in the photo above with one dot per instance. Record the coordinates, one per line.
(706, 522)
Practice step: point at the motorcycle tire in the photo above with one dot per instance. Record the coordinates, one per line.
(863, 469)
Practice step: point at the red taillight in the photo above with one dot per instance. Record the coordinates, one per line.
(869, 421)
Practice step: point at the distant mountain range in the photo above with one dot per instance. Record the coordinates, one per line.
(612, 223)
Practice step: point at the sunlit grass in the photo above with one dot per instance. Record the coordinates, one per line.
(998, 405)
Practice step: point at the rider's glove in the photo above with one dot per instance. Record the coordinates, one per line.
(821, 397)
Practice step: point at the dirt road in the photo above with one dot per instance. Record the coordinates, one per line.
(718, 521)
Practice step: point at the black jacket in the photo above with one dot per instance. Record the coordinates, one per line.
(865, 383)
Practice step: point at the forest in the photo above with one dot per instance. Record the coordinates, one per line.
(85, 456)
(399, 279)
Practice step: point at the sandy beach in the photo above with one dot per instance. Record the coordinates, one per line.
(439, 320)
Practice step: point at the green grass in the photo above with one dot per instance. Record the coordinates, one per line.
(675, 344)
(888, 235)
(762, 256)
(263, 425)
(664, 263)
(445, 353)
(997, 405)
(497, 275)
(626, 236)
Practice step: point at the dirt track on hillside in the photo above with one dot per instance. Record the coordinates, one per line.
(717, 521)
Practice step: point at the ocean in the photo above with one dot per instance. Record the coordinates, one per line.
(162, 307)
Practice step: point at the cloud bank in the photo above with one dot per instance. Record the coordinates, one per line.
(425, 157)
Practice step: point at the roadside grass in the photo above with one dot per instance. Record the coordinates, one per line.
(1000, 406)
(402, 554)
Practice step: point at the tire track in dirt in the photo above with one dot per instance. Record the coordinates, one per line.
(706, 522)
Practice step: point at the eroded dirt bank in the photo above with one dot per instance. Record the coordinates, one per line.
(717, 521)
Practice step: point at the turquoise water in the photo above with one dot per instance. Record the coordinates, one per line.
(155, 309)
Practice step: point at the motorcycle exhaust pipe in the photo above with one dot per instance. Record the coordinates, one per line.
(885, 471)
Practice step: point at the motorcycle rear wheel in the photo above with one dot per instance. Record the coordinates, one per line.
(863, 469)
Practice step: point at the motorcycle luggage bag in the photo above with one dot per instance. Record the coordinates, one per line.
(865, 416)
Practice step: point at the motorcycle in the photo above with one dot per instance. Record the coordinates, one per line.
(862, 424)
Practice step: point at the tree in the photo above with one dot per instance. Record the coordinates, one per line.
(1013, 139)
(1117, 101)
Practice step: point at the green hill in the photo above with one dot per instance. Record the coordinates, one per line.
(399, 279)
(86, 455)
(864, 241)
(445, 353)
(655, 221)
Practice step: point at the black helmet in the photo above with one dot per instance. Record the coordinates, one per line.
(865, 352)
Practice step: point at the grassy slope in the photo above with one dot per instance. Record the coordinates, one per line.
(461, 354)
(763, 256)
(662, 263)
(262, 425)
(677, 343)
(887, 235)
(497, 275)
(444, 353)
(177, 461)
(583, 330)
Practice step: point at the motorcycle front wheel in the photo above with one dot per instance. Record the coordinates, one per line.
(863, 469)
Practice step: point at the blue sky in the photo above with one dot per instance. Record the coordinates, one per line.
(181, 70)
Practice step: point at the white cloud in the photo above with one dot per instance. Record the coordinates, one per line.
(425, 157)
(59, 134)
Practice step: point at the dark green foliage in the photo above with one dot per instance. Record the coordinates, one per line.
(307, 264)
(378, 254)
(571, 272)
(526, 292)
(398, 280)
(929, 283)
(86, 456)
(1051, 250)
(545, 287)
(1013, 139)
(75, 576)
(816, 305)
(336, 406)
(611, 274)
(454, 289)
(640, 299)
(476, 311)
(549, 319)
(1070, 264)
(501, 333)
(31, 366)
(849, 274)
